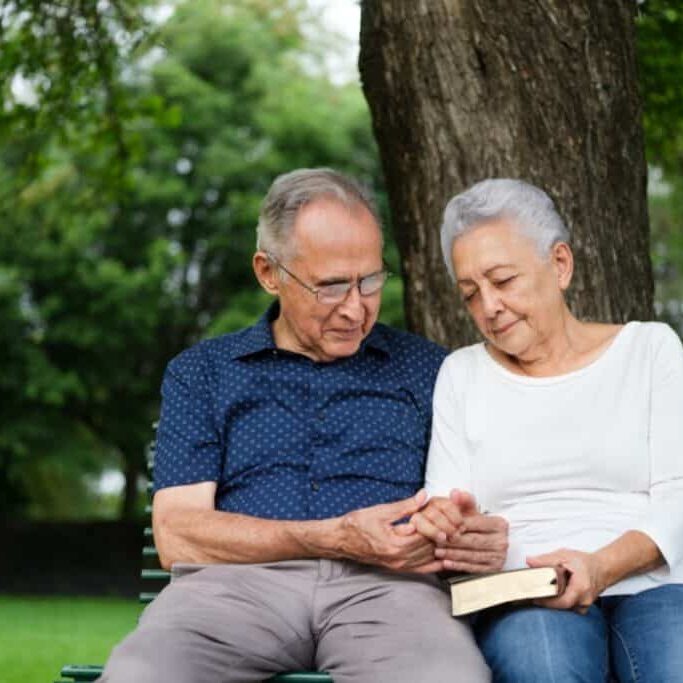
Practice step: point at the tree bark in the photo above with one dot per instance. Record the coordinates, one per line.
(545, 91)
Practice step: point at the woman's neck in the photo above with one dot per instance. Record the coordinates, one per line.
(570, 346)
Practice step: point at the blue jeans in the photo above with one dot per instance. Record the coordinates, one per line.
(622, 637)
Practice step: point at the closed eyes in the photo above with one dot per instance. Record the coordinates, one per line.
(499, 284)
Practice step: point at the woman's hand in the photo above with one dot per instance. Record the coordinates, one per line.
(443, 520)
(586, 578)
(439, 520)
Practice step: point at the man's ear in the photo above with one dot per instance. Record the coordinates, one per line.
(266, 273)
(563, 260)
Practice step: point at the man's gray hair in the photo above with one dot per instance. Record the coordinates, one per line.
(525, 205)
(292, 191)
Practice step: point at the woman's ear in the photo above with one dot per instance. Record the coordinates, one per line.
(563, 260)
(266, 273)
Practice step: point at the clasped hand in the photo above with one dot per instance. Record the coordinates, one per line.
(464, 539)
(444, 533)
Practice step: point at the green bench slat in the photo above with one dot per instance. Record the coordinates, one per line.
(90, 673)
(146, 598)
(155, 574)
(81, 672)
(149, 551)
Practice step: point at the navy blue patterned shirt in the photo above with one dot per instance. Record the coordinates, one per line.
(286, 437)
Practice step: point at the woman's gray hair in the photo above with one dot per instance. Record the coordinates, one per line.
(525, 205)
(292, 191)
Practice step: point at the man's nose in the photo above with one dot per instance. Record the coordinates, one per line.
(352, 307)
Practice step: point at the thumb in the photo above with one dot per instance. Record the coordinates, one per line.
(547, 560)
(465, 501)
(404, 508)
(536, 561)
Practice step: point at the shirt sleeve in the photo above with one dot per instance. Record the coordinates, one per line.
(664, 521)
(188, 443)
(448, 464)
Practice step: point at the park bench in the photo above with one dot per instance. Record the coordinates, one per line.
(155, 578)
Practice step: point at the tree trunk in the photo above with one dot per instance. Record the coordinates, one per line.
(545, 91)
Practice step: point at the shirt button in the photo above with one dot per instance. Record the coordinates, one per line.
(315, 486)
(321, 416)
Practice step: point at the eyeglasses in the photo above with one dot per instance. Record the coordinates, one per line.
(336, 292)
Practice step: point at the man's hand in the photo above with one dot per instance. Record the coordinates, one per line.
(370, 536)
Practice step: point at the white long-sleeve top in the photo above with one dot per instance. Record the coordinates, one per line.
(573, 460)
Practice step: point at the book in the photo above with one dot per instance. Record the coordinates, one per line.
(474, 592)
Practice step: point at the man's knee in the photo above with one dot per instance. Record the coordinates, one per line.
(158, 655)
(129, 661)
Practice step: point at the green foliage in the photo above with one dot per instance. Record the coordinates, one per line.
(129, 196)
(61, 63)
(660, 57)
(660, 62)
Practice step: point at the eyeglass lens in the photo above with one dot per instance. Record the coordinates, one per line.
(368, 285)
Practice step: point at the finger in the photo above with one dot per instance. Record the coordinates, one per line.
(446, 508)
(444, 515)
(555, 603)
(570, 599)
(411, 556)
(476, 541)
(404, 529)
(547, 560)
(406, 545)
(393, 512)
(465, 501)
(485, 524)
(490, 561)
(428, 529)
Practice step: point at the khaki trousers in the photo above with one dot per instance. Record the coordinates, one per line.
(225, 623)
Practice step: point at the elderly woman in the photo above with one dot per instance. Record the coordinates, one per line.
(572, 431)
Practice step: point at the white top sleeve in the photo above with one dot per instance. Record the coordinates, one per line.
(664, 520)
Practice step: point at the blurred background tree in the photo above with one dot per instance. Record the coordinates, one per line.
(660, 43)
(134, 155)
(137, 139)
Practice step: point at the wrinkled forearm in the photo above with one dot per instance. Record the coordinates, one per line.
(210, 536)
(632, 553)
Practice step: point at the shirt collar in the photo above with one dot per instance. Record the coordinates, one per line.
(259, 337)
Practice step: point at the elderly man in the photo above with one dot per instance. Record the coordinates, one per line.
(288, 455)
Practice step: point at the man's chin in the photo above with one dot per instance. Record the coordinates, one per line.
(342, 348)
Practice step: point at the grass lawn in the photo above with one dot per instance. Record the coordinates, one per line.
(38, 635)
